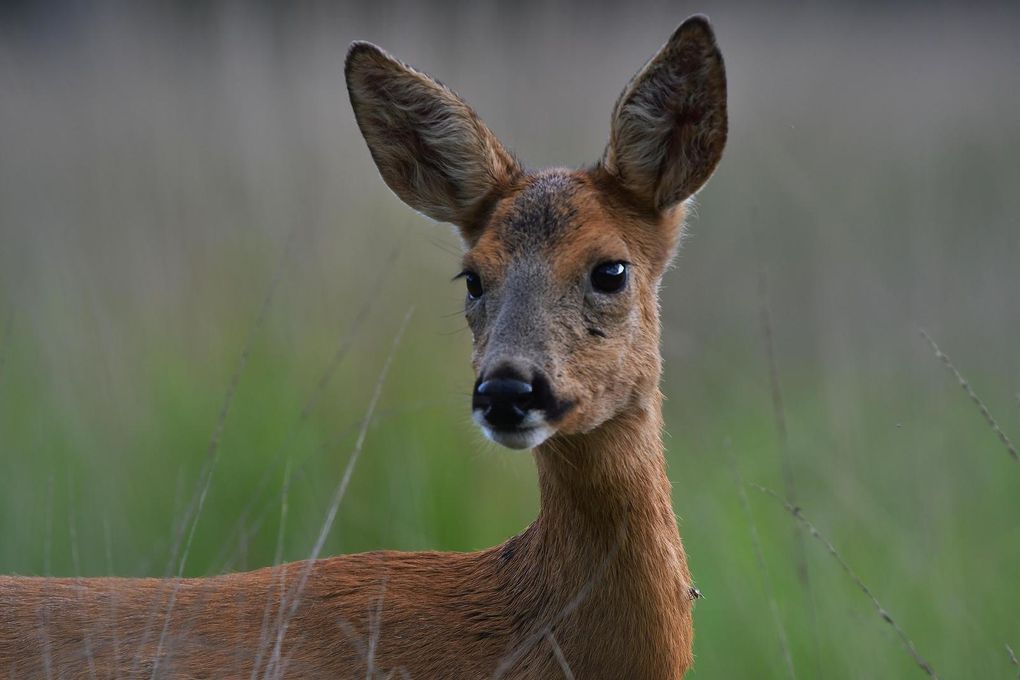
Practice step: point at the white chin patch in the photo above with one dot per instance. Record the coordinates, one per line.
(528, 436)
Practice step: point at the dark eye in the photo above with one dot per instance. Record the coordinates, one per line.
(474, 285)
(609, 277)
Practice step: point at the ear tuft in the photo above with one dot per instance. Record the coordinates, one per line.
(430, 147)
(669, 125)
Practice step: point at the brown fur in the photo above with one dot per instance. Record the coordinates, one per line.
(601, 573)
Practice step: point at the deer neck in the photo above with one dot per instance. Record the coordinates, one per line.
(604, 559)
(606, 515)
(607, 490)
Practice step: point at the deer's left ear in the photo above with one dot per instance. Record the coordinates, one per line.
(430, 147)
(669, 124)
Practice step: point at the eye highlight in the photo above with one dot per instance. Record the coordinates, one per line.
(609, 277)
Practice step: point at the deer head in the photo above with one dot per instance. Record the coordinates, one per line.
(562, 267)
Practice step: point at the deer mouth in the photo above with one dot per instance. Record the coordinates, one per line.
(523, 436)
(532, 430)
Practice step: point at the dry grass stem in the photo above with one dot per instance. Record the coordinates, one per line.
(789, 484)
(766, 577)
(194, 511)
(338, 497)
(561, 659)
(212, 453)
(277, 559)
(941, 356)
(241, 531)
(882, 612)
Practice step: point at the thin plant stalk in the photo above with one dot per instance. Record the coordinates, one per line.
(759, 555)
(334, 506)
(779, 415)
(944, 358)
(882, 611)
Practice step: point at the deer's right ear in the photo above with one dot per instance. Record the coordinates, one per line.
(430, 147)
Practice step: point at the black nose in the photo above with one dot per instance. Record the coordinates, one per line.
(503, 401)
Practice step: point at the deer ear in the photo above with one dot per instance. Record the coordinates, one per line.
(669, 124)
(430, 147)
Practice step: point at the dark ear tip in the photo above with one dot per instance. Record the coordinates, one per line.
(696, 26)
(357, 52)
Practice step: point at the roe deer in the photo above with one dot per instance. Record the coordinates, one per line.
(562, 270)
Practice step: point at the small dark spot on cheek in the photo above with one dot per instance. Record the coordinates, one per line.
(596, 332)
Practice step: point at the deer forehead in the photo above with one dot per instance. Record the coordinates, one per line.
(555, 223)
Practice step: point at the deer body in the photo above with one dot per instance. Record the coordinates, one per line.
(562, 270)
(581, 573)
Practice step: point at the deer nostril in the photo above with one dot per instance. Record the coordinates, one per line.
(503, 401)
(504, 392)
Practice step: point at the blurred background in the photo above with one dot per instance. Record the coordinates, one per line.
(201, 276)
